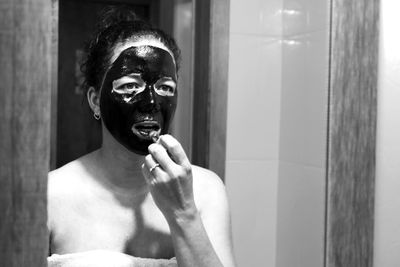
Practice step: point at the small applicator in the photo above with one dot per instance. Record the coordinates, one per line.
(155, 136)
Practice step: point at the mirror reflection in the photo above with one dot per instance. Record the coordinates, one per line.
(276, 123)
(77, 21)
(133, 197)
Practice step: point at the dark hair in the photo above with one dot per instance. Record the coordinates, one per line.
(118, 24)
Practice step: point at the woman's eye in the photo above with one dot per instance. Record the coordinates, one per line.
(165, 89)
(129, 86)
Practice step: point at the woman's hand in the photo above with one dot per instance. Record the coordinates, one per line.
(171, 185)
(171, 182)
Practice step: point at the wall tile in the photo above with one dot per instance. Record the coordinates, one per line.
(254, 97)
(256, 17)
(304, 97)
(251, 187)
(300, 220)
(304, 16)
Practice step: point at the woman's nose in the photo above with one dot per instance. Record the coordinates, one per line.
(149, 103)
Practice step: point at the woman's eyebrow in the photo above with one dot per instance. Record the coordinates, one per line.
(136, 76)
(166, 78)
(133, 75)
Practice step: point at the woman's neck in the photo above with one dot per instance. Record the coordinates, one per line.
(121, 169)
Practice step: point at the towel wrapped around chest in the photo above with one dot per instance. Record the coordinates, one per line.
(106, 258)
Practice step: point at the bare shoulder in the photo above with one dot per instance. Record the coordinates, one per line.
(205, 177)
(64, 178)
(208, 187)
(212, 203)
(64, 189)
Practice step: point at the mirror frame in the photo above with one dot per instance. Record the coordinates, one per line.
(353, 83)
(25, 104)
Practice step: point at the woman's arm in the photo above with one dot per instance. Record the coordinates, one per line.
(210, 232)
(199, 239)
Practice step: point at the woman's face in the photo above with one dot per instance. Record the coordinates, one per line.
(139, 93)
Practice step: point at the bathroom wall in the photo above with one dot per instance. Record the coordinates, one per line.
(387, 196)
(252, 156)
(276, 131)
(303, 133)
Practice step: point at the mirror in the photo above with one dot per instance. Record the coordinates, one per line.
(276, 119)
(23, 173)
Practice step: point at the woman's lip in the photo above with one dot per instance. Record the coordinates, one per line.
(147, 124)
(139, 129)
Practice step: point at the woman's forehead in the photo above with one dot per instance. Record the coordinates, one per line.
(119, 48)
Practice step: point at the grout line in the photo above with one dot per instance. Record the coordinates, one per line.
(271, 36)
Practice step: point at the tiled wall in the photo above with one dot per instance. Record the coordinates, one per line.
(253, 128)
(387, 196)
(277, 131)
(303, 133)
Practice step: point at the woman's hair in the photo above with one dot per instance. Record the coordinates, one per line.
(116, 25)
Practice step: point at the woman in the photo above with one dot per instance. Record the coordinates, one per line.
(137, 198)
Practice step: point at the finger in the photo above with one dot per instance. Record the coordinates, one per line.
(151, 179)
(161, 156)
(174, 148)
(149, 161)
(155, 170)
(147, 174)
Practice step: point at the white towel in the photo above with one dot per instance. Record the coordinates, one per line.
(105, 258)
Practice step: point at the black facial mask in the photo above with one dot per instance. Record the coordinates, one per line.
(138, 96)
